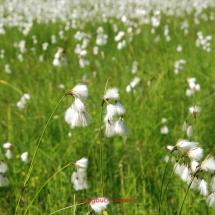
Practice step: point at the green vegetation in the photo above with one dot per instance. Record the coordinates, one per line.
(133, 166)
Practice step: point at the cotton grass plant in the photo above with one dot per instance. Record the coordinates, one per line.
(77, 116)
(188, 165)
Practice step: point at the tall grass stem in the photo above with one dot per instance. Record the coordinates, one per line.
(44, 186)
(32, 162)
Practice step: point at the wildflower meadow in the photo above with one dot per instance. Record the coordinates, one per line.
(107, 107)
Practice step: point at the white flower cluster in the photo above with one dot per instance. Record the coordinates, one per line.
(9, 147)
(78, 177)
(186, 156)
(60, 58)
(53, 39)
(193, 87)
(185, 27)
(166, 33)
(2, 52)
(203, 41)
(34, 38)
(194, 110)
(155, 20)
(3, 179)
(101, 38)
(114, 126)
(164, 129)
(119, 38)
(99, 204)
(132, 85)
(95, 50)
(188, 128)
(178, 66)
(186, 125)
(76, 115)
(24, 157)
(80, 49)
(45, 46)
(21, 104)
(134, 67)
(79, 181)
(179, 48)
(21, 46)
(7, 68)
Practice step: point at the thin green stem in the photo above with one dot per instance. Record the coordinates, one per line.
(168, 182)
(101, 144)
(188, 188)
(101, 152)
(67, 208)
(11, 86)
(44, 186)
(32, 162)
(186, 193)
(138, 175)
(163, 182)
(74, 205)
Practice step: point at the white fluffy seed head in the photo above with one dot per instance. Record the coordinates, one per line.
(134, 82)
(111, 94)
(24, 157)
(185, 126)
(3, 166)
(20, 105)
(3, 180)
(208, 165)
(111, 111)
(81, 119)
(8, 154)
(182, 168)
(76, 117)
(79, 105)
(26, 96)
(170, 147)
(195, 153)
(80, 91)
(194, 110)
(7, 145)
(189, 92)
(185, 174)
(213, 183)
(119, 108)
(109, 128)
(185, 145)
(211, 200)
(82, 163)
(99, 204)
(120, 127)
(79, 180)
(164, 120)
(194, 165)
(56, 62)
(70, 114)
(197, 87)
(190, 131)
(195, 183)
(164, 129)
(203, 187)
(177, 168)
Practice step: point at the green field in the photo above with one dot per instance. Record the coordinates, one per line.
(131, 166)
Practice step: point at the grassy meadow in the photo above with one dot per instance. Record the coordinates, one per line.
(132, 165)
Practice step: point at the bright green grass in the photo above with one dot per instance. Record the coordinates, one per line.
(165, 97)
